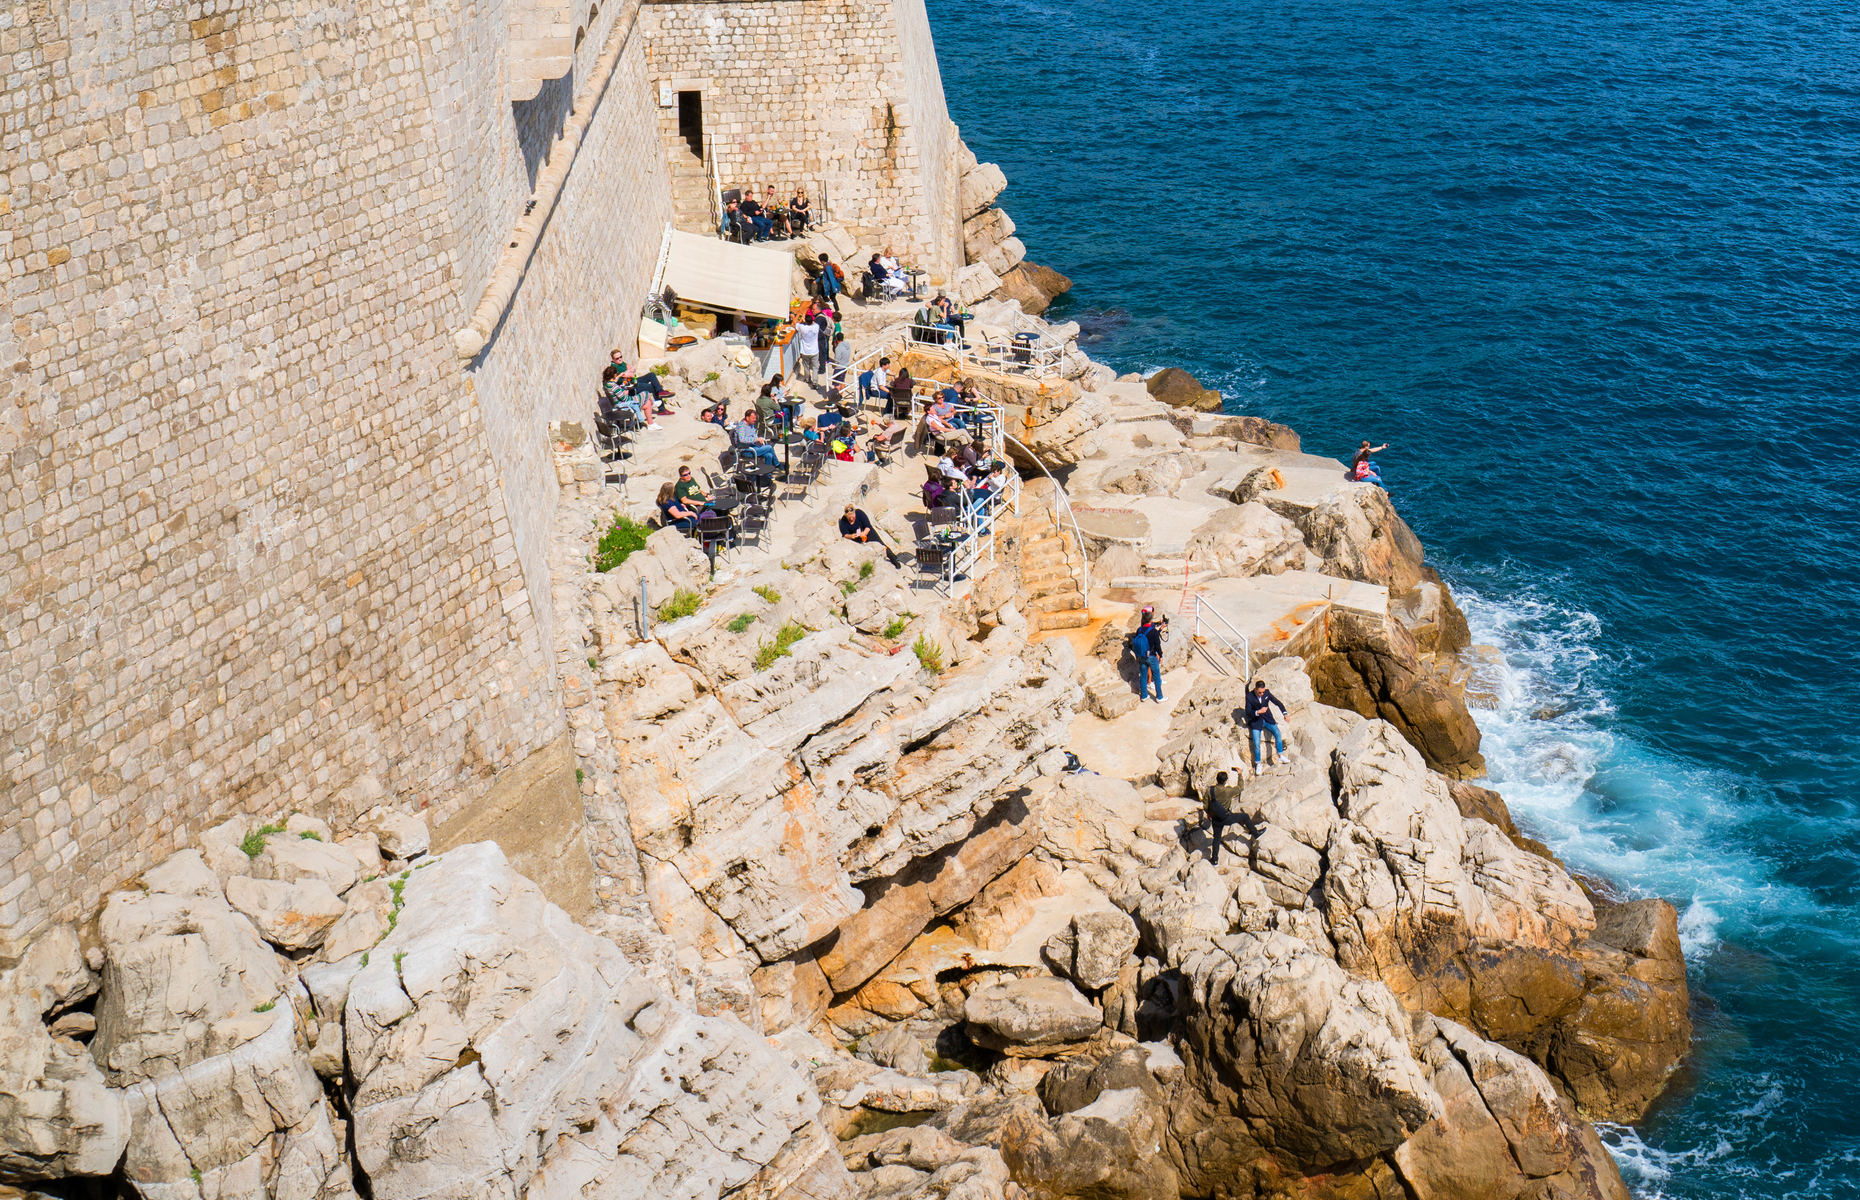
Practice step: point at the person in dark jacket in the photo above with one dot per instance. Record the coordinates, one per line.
(1220, 816)
(1146, 644)
(1260, 721)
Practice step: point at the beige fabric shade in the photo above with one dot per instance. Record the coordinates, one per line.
(725, 275)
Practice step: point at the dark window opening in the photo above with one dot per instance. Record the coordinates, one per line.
(691, 120)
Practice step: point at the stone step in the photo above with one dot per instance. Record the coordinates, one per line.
(1072, 619)
(1162, 581)
(1058, 602)
(1063, 602)
(1050, 580)
(1165, 566)
(1053, 587)
(1035, 560)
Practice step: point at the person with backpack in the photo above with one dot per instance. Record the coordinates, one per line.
(1220, 813)
(1260, 722)
(1146, 644)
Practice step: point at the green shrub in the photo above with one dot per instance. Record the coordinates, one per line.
(929, 654)
(254, 842)
(683, 603)
(310, 835)
(785, 637)
(895, 628)
(866, 568)
(623, 537)
(767, 593)
(741, 623)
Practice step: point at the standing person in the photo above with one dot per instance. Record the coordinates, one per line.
(1220, 800)
(807, 345)
(842, 363)
(823, 320)
(1146, 644)
(832, 281)
(855, 526)
(1260, 722)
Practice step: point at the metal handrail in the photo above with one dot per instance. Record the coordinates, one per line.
(716, 184)
(1246, 644)
(1065, 502)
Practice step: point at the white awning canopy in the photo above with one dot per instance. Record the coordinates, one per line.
(728, 276)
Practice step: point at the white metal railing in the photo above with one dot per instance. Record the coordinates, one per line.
(1245, 649)
(716, 185)
(1062, 504)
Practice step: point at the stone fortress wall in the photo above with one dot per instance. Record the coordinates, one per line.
(840, 94)
(269, 542)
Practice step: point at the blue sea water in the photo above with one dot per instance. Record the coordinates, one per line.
(1593, 271)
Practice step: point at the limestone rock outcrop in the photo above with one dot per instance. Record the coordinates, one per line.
(500, 1049)
(1373, 667)
(1248, 539)
(57, 1116)
(1178, 389)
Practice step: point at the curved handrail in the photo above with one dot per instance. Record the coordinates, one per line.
(1065, 501)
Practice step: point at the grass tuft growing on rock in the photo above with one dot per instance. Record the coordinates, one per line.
(929, 654)
(254, 843)
(310, 835)
(767, 593)
(896, 627)
(865, 569)
(848, 587)
(623, 537)
(683, 603)
(741, 623)
(785, 637)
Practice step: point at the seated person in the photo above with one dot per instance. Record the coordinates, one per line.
(647, 383)
(842, 444)
(673, 514)
(936, 491)
(752, 209)
(687, 492)
(614, 400)
(855, 526)
(878, 436)
(747, 440)
(939, 421)
(829, 420)
(950, 315)
(900, 393)
(716, 414)
(799, 210)
(973, 458)
(926, 328)
(808, 431)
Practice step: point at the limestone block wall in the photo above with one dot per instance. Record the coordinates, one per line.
(843, 94)
(265, 536)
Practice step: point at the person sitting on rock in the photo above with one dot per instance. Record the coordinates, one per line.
(1220, 815)
(1363, 469)
(855, 526)
(1260, 722)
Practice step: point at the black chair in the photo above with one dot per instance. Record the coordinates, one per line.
(944, 517)
(752, 521)
(932, 563)
(713, 532)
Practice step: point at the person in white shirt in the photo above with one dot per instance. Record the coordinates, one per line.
(807, 347)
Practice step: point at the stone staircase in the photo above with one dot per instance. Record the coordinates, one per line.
(690, 190)
(1050, 572)
(1165, 572)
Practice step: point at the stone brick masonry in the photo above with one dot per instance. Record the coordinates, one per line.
(268, 544)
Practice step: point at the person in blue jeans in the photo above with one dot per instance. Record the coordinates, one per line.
(1146, 644)
(1260, 722)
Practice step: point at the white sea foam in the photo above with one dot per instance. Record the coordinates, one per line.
(1609, 805)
